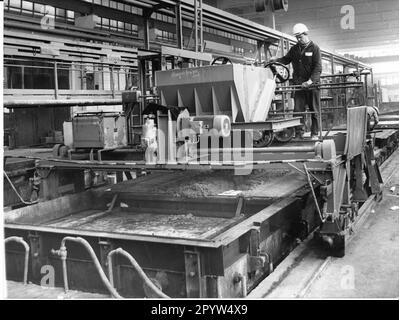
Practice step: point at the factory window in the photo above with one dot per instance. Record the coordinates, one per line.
(27, 7)
(338, 68)
(327, 66)
(238, 50)
(34, 75)
(15, 6)
(117, 26)
(38, 10)
(113, 5)
(70, 15)
(105, 3)
(113, 25)
(105, 23)
(165, 35)
(128, 27)
(120, 6)
(60, 14)
(97, 2)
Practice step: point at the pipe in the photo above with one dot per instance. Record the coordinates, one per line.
(16, 191)
(240, 278)
(320, 85)
(270, 261)
(61, 102)
(22, 241)
(267, 149)
(137, 267)
(62, 252)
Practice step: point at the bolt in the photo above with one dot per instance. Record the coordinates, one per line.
(192, 274)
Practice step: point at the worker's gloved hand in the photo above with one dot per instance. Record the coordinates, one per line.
(307, 84)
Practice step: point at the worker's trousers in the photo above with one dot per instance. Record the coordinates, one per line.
(310, 98)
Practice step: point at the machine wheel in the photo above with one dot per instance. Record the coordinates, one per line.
(265, 140)
(286, 135)
(280, 71)
(221, 60)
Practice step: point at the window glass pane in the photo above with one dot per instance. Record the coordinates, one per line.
(70, 14)
(113, 25)
(60, 12)
(15, 5)
(113, 4)
(105, 3)
(27, 6)
(38, 8)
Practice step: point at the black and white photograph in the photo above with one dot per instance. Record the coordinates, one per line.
(200, 157)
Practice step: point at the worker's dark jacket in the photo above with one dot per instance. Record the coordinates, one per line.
(306, 62)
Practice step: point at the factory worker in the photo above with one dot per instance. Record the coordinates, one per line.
(305, 57)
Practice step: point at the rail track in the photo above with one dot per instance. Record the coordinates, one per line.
(298, 273)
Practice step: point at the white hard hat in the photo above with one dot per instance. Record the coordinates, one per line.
(299, 28)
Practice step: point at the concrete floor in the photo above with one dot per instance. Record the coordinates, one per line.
(17, 291)
(370, 268)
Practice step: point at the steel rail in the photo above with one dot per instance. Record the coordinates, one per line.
(61, 102)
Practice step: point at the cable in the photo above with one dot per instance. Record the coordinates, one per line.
(16, 192)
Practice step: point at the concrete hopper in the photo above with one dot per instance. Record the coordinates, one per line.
(242, 92)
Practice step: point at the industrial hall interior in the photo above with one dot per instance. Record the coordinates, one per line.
(200, 149)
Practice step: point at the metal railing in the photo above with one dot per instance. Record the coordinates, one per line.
(26, 246)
